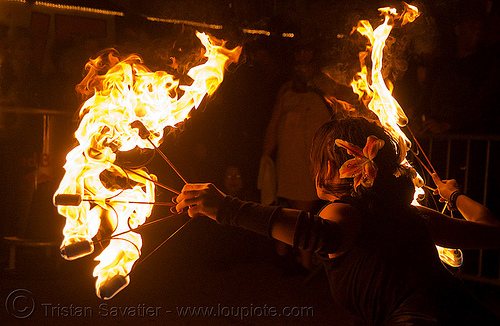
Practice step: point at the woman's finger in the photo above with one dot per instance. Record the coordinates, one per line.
(202, 199)
(187, 202)
(195, 211)
(187, 195)
(194, 186)
(437, 180)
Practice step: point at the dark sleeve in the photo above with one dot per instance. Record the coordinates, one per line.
(311, 232)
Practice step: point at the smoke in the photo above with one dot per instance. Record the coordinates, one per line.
(406, 44)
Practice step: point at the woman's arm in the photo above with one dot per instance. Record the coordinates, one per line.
(480, 230)
(296, 228)
(349, 221)
(470, 209)
(457, 233)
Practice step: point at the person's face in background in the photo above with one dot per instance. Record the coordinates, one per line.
(233, 182)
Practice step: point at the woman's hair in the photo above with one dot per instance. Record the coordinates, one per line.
(387, 188)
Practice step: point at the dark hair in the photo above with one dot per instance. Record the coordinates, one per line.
(393, 182)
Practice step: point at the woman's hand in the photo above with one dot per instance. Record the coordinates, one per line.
(445, 187)
(202, 199)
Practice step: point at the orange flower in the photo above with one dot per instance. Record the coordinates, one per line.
(361, 167)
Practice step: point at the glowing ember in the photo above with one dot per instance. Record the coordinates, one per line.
(95, 193)
(377, 97)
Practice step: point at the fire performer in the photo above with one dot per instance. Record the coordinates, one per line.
(378, 250)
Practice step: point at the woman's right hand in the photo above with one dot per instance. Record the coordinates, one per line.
(470, 209)
(201, 199)
(445, 187)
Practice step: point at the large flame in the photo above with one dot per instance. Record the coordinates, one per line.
(128, 92)
(375, 93)
(377, 96)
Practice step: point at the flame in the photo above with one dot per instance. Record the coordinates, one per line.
(376, 94)
(128, 92)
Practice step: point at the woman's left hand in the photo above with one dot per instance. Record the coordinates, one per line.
(445, 187)
(201, 199)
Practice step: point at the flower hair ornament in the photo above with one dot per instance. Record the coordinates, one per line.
(361, 167)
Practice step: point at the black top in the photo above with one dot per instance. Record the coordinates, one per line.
(391, 274)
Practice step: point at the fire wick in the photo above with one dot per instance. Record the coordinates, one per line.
(144, 133)
(75, 200)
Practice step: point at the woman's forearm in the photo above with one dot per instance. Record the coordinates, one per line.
(475, 212)
(296, 228)
(458, 233)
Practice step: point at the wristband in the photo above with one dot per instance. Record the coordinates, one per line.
(453, 199)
